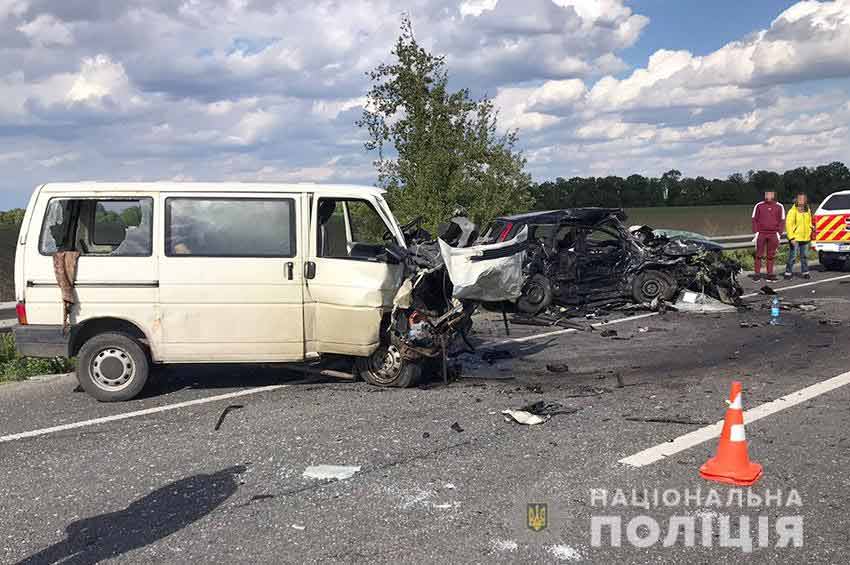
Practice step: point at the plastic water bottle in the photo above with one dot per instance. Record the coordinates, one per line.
(774, 311)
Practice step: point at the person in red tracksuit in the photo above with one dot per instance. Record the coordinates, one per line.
(768, 224)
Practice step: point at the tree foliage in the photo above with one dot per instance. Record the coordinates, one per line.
(673, 189)
(436, 148)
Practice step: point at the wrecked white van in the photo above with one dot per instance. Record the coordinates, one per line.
(190, 272)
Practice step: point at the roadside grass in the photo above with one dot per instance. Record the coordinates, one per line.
(16, 368)
(747, 258)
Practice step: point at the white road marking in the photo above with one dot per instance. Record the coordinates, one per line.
(683, 442)
(137, 413)
(564, 331)
(801, 285)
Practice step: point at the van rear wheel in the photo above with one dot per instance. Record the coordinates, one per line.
(112, 367)
(387, 367)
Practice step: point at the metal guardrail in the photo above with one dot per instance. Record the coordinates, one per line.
(742, 241)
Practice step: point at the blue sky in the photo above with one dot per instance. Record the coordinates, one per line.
(698, 26)
(270, 89)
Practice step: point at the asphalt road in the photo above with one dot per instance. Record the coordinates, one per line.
(167, 487)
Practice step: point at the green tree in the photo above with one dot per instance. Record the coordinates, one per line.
(437, 149)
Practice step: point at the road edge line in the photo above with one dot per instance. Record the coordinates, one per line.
(663, 450)
(563, 331)
(137, 413)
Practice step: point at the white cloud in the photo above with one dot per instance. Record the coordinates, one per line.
(46, 30)
(264, 89)
(98, 78)
(12, 8)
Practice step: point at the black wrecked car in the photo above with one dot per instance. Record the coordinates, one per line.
(587, 256)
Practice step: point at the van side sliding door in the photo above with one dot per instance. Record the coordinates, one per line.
(231, 277)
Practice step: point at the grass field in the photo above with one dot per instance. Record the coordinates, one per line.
(708, 220)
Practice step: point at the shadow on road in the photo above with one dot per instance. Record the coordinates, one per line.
(151, 518)
(171, 378)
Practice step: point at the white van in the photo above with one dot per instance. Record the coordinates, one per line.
(832, 231)
(206, 272)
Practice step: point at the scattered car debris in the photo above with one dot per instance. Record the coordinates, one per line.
(747, 324)
(493, 355)
(425, 435)
(557, 367)
(701, 303)
(807, 307)
(767, 290)
(525, 418)
(331, 472)
(608, 333)
(543, 408)
(456, 427)
(224, 414)
(829, 322)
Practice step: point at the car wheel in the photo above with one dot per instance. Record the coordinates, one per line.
(649, 285)
(112, 367)
(831, 264)
(387, 367)
(536, 295)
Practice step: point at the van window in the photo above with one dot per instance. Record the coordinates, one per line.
(110, 227)
(229, 227)
(836, 202)
(349, 229)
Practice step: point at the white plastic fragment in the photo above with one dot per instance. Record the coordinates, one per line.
(325, 472)
(698, 302)
(523, 417)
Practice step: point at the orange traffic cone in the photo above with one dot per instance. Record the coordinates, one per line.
(732, 463)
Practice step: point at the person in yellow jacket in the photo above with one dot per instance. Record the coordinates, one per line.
(798, 226)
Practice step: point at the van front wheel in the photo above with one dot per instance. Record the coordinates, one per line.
(112, 367)
(387, 367)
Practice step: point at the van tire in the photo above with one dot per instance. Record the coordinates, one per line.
(386, 367)
(112, 367)
(651, 284)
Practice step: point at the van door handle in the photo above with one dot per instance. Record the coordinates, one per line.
(290, 270)
(309, 270)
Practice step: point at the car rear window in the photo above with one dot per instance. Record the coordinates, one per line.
(836, 202)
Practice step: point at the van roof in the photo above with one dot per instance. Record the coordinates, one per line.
(171, 186)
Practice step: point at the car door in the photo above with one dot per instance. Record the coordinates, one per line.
(600, 257)
(351, 282)
(231, 284)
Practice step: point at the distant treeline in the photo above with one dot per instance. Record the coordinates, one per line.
(672, 189)
(12, 217)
